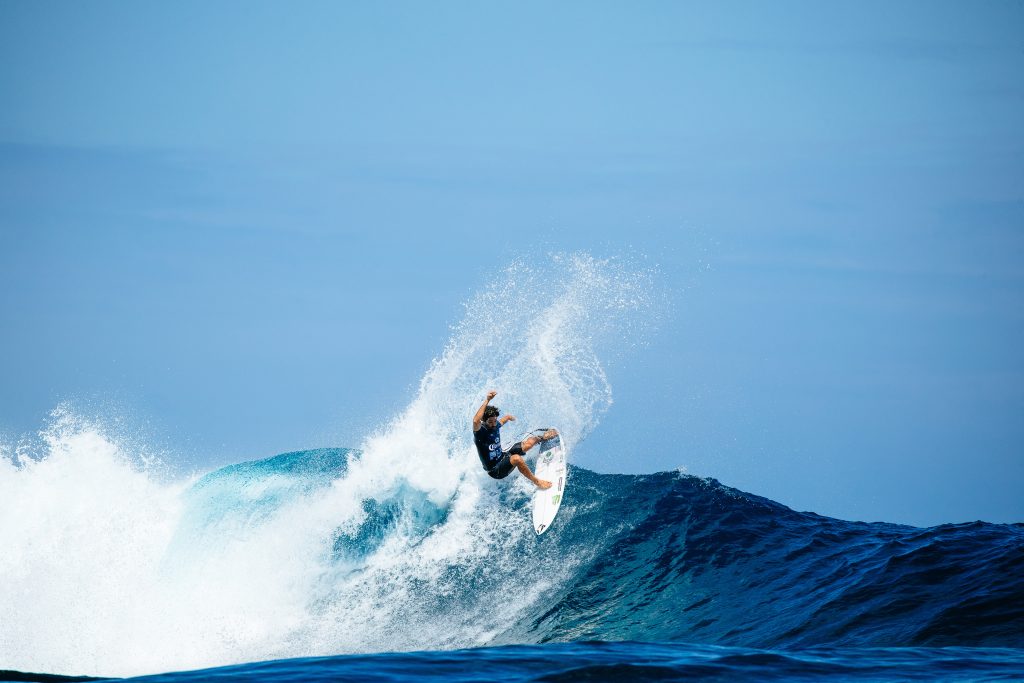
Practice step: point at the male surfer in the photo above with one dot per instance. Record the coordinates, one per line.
(487, 436)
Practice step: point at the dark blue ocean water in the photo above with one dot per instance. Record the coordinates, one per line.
(680, 578)
(619, 661)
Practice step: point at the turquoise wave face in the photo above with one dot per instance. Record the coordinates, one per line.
(233, 499)
(247, 495)
(404, 507)
(262, 486)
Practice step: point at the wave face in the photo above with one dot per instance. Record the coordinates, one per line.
(667, 557)
(110, 566)
(700, 562)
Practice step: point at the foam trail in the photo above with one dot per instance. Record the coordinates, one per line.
(109, 569)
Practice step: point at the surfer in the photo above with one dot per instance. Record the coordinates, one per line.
(487, 436)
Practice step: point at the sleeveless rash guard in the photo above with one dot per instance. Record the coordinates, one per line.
(488, 445)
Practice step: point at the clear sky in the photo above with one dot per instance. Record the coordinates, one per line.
(244, 228)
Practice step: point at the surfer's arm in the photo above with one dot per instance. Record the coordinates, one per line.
(479, 417)
(507, 418)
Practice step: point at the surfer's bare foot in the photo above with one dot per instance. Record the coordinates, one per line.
(542, 484)
(548, 435)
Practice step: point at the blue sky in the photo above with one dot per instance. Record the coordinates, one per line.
(245, 228)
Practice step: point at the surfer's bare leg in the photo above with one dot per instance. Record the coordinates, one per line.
(520, 462)
(524, 469)
(532, 441)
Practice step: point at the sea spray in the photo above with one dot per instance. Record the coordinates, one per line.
(112, 568)
(536, 333)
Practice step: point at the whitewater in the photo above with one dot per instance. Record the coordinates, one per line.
(112, 565)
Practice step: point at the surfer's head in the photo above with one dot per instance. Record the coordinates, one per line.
(491, 415)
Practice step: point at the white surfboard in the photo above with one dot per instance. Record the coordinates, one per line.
(551, 467)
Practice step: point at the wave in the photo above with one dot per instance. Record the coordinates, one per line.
(671, 557)
(274, 559)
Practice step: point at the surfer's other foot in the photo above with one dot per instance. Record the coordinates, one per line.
(550, 434)
(542, 484)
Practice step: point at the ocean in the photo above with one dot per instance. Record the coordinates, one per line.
(401, 560)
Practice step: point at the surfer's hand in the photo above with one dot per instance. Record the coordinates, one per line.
(491, 394)
(542, 484)
(510, 418)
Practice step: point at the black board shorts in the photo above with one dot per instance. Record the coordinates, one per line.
(503, 467)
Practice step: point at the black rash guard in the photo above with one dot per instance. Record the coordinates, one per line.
(488, 445)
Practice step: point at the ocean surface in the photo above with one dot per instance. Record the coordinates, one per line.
(401, 560)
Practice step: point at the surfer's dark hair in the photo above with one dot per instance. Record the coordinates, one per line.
(490, 411)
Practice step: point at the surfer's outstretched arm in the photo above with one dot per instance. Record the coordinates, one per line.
(479, 417)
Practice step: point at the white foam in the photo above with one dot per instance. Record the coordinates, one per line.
(106, 568)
